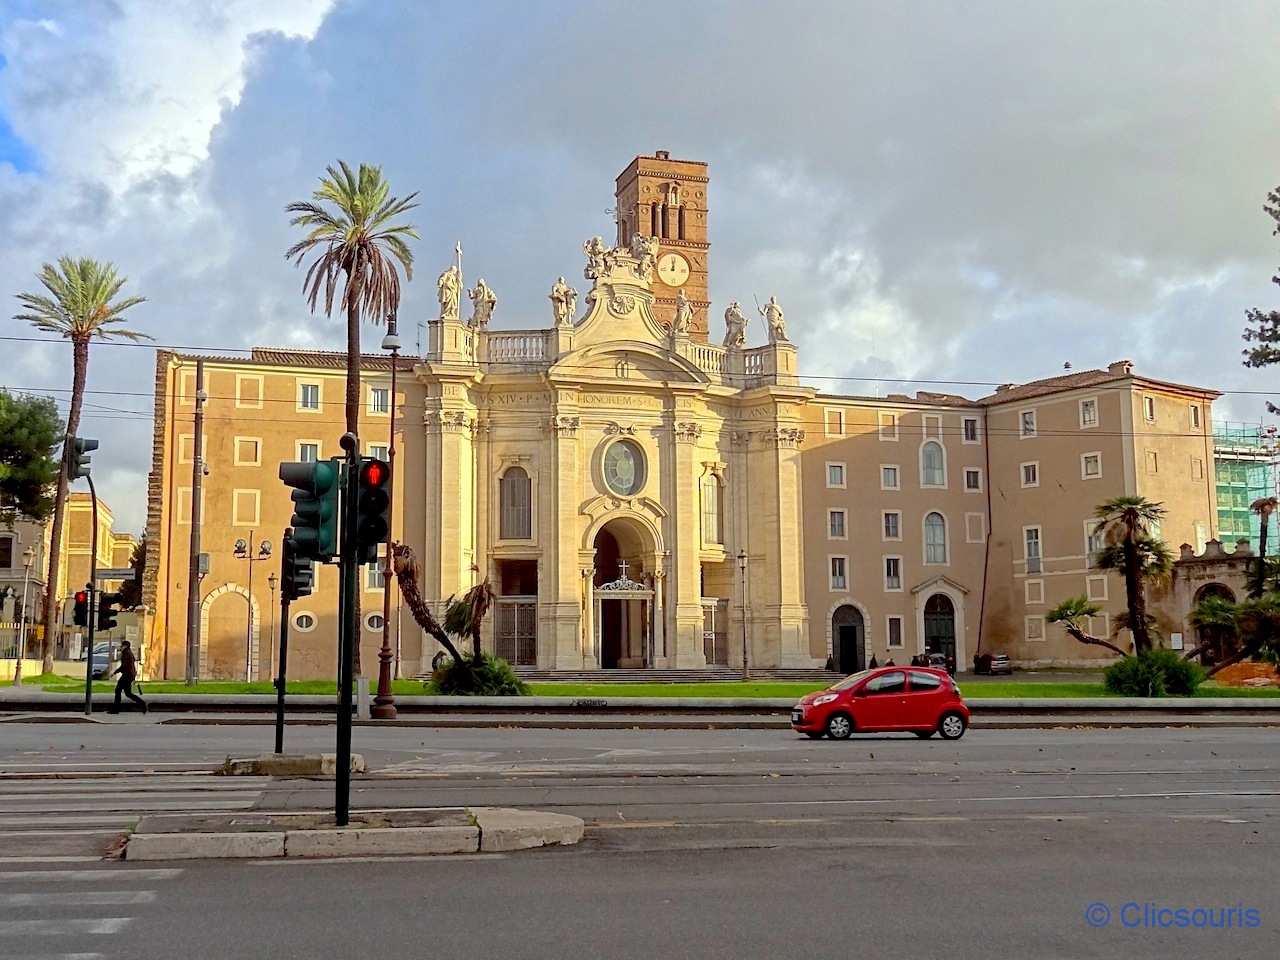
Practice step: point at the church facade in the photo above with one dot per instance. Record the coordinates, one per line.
(642, 497)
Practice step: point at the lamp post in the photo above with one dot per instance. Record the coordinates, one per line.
(244, 552)
(742, 568)
(28, 558)
(272, 580)
(384, 703)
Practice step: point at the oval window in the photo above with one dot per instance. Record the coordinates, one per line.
(624, 468)
(374, 622)
(304, 622)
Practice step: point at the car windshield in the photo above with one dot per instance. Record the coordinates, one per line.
(849, 681)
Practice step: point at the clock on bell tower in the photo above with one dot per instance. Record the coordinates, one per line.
(664, 198)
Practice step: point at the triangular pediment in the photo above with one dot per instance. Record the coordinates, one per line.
(934, 583)
(627, 361)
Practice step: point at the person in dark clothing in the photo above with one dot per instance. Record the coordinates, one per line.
(873, 664)
(128, 671)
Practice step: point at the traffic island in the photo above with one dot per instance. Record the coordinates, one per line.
(289, 765)
(368, 834)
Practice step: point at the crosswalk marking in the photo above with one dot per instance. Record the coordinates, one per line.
(149, 875)
(60, 956)
(89, 898)
(97, 925)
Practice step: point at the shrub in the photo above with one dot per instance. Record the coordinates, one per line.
(483, 676)
(1153, 673)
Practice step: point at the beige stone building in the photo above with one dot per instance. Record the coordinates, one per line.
(641, 496)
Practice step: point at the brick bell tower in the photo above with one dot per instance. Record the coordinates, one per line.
(664, 198)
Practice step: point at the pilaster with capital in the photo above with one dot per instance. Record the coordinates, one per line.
(448, 486)
(684, 600)
(560, 605)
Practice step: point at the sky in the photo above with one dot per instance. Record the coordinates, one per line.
(936, 192)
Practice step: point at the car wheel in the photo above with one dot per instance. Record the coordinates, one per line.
(814, 734)
(923, 734)
(952, 726)
(839, 726)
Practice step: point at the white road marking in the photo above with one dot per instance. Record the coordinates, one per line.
(79, 876)
(37, 928)
(91, 898)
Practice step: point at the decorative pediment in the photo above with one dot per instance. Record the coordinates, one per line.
(940, 582)
(627, 361)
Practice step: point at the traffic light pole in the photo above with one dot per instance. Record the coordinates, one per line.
(284, 660)
(93, 601)
(348, 568)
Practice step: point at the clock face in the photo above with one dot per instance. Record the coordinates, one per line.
(624, 468)
(673, 269)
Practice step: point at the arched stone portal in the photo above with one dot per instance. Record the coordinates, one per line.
(1217, 640)
(940, 626)
(848, 639)
(626, 614)
(229, 635)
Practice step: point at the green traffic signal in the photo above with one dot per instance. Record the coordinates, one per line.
(297, 574)
(315, 507)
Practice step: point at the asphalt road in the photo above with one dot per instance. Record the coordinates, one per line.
(699, 844)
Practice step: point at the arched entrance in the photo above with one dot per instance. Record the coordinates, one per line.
(624, 604)
(848, 640)
(229, 629)
(1214, 629)
(940, 626)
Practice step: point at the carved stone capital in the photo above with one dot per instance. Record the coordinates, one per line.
(688, 432)
(564, 426)
(620, 429)
(448, 421)
(786, 437)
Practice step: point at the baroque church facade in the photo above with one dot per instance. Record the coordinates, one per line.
(642, 497)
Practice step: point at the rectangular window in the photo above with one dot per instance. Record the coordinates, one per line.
(975, 527)
(1149, 408)
(249, 392)
(1035, 628)
(1095, 588)
(835, 474)
(835, 422)
(1027, 424)
(1088, 413)
(1031, 548)
(970, 429)
(244, 508)
(893, 573)
(187, 389)
(838, 581)
(373, 578)
(186, 447)
(933, 426)
(888, 477)
(1100, 626)
(308, 452)
(972, 478)
(378, 451)
(1093, 541)
(1195, 417)
(888, 425)
(1031, 474)
(1033, 591)
(1090, 466)
(379, 400)
(6, 553)
(892, 525)
(1197, 468)
(1202, 536)
(835, 525)
(895, 631)
(248, 452)
(309, 396)
(1153, 462)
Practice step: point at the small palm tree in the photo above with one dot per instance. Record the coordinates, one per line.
(1214, 617)
(1126, 527)
(464, 617)
(1073, 614)
(80, 306)
(1264, 508)
(357, 243)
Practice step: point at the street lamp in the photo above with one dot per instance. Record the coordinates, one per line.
(272, 580)
(742, 568)
(242, 552)
(384, 703)
(28, 558)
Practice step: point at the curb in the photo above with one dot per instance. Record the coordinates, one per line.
(495, 829)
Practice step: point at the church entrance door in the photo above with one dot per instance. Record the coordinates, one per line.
(624, 608)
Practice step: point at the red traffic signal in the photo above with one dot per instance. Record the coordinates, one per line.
(373, 508)
(81, 615)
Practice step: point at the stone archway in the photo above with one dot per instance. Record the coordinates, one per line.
(848, 639)
(1217, 644)
(626, 612)
(229, 638)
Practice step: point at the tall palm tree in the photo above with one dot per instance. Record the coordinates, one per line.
(81, 306)
(1126, 526)
(1264, 508)
(357, 243)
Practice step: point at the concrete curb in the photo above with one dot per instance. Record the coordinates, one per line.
(495, 829)
(290, 765)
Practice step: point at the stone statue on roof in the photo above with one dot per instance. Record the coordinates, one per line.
(449, 292)
(736, 322)
(483, 300)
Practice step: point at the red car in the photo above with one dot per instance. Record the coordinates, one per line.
(919, 699)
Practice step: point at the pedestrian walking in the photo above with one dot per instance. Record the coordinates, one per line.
(128, 671)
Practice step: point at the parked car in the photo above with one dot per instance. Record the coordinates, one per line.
(106, 656)
(923, 700)
(993, 663)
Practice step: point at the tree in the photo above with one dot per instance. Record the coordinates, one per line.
(1131, 550)
(1214, 617)
(463, 617)
(1263, 329)
(30, 432)
(131, 590)
(1264, 508)
(357, 242)
(1072, 614)
(81, 306)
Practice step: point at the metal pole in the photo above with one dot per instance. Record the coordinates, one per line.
(248, 624)
(347, 633)
(384, 704)
(193, 565)
(742, 565)
(93, 602)
(28, 558)
(271, 629)
(280, 677)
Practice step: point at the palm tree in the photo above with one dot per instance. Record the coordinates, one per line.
(357, 242)
(1214, 617)
(81, 306)
(1263, 508)
(1126, 528)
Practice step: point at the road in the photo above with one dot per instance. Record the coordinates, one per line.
(699, 844)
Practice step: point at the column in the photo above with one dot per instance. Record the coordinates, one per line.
(686, 647)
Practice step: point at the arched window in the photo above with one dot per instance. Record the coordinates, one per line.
(935, 539)
(932, 470)
(680, 214)
(653, 220)
(516, 513)
(712, 525)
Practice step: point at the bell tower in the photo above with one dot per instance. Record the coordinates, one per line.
(664, 198)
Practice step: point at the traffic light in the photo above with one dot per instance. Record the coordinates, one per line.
(297, 574)
(315, 507)
(108, 607)
(81, 615)
(78, 459)
(373, 507)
